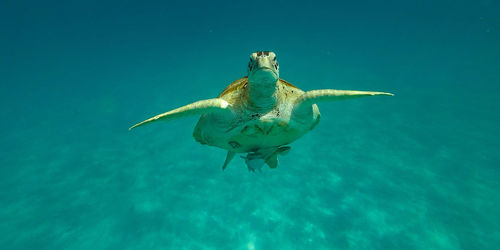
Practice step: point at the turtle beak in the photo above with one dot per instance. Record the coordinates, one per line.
(264, 63)
(264, 71)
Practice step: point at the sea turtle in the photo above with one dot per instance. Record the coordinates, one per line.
(258, 114)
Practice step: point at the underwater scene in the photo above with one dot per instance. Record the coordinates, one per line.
(416, 170)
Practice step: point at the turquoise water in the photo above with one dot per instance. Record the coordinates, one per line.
(419, 170)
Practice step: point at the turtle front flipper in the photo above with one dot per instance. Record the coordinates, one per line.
(195, 108)
(314, 96)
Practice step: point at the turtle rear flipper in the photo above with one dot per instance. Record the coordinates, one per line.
(283, 150)
(195, 108)
(229, 157)
(272, 161)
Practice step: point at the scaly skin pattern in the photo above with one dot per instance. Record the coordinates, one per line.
(247, 131)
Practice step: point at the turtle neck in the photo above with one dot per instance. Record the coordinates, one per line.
(261, 96)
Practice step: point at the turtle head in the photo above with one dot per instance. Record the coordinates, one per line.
(263, 67)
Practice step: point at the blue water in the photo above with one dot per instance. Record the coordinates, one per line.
(419, 170)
